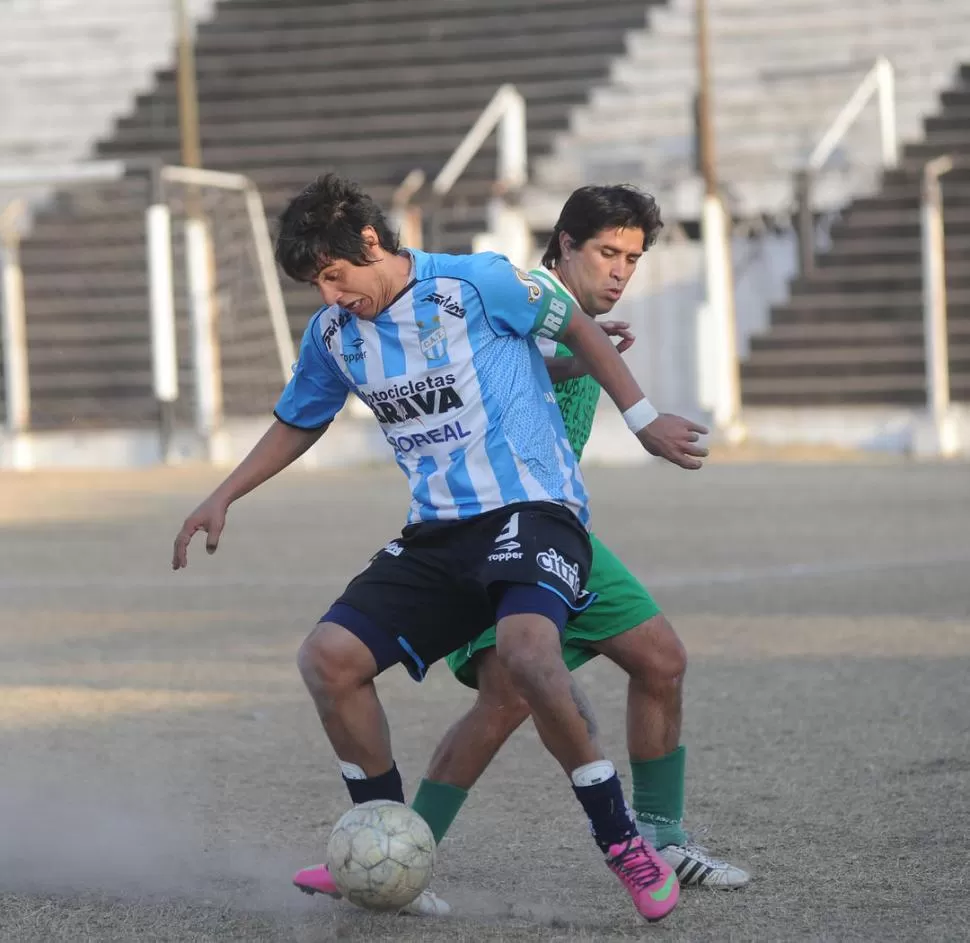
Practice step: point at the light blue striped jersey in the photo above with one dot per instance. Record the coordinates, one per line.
(452, 373)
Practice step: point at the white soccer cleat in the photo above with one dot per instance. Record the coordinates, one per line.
(428, 904)
(696, 868)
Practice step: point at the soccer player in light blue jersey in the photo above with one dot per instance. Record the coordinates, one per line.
(442, 349)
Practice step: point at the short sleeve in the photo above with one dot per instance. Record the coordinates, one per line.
(316, 392)
(517, 303)
(548, 348)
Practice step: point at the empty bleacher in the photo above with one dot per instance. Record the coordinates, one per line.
(69, 68)
(852, 331)
(781, 73)
(289, 89)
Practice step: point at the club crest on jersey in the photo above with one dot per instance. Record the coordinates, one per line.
(531, 285)
(433, 341)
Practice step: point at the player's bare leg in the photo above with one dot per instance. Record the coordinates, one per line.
(530, 651)
(473, 740)
(338, 670)
(655, 660)
(529, 648)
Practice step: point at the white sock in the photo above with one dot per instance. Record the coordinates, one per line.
(592, 773)
(351, 770)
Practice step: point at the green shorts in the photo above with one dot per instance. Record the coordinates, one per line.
(622, 605)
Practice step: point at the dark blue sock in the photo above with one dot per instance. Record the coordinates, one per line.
(386, 786)
(607, 811)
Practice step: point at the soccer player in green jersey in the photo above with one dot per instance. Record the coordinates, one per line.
(601, 234)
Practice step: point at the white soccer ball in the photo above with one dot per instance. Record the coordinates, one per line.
(381, 855)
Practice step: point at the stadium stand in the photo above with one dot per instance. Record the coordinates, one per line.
(69, 68)
(780, 73)
(289, 89)
(376, 89)
(852, 331)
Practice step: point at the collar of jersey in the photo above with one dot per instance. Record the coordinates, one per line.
(420, 268)
(554, 275)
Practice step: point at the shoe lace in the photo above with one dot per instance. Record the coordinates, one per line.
(637, 864)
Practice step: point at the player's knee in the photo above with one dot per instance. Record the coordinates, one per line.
(330, 668)
(499, 705)
(530, 651)
(661, 659)
(503, 715)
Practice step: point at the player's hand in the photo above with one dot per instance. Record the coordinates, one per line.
(675, 439)
(619, 329)
(209, 516)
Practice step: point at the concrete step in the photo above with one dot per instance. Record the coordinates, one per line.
(887, 389)
(887, 301)
(160, 110)
(849, 311)
(352, 12)
(477, 22)
(827, 335)
(875, 359)
(351, 127)
(377, 80)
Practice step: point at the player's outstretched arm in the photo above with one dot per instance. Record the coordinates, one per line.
(570, 368)
(668, 436)
(279, 447)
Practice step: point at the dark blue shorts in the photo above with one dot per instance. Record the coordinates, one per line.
(440, 584)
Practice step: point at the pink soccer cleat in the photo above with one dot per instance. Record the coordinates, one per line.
(649, 880)
(317, 880)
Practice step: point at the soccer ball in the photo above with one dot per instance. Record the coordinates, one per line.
(381, 855)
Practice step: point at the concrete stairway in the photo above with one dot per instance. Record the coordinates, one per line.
(781, 72)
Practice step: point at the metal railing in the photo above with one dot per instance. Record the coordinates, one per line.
(506, 113)
(878, 81)
(13, 221)
(158, 227)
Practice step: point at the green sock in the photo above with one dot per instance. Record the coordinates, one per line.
(658, 798)
(438, 804)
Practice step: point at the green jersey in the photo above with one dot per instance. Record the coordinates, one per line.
(577, 398)
(623, 603)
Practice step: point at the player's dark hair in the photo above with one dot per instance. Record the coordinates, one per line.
(323, 223)
(590, 210)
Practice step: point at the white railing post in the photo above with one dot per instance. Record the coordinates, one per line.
(161, 298)
(718, 315)
(879, 79)
(15, 369)
(206, 359)
(505, 111)
(507, 107)
(285, 349)
(887, 112)
(405, 217)
(513, 163)
(256, 214)
(936, 347)
(206, 355)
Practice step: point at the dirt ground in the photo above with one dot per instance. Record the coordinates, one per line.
(163, 772)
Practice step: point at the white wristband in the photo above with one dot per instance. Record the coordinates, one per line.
(639, 415)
